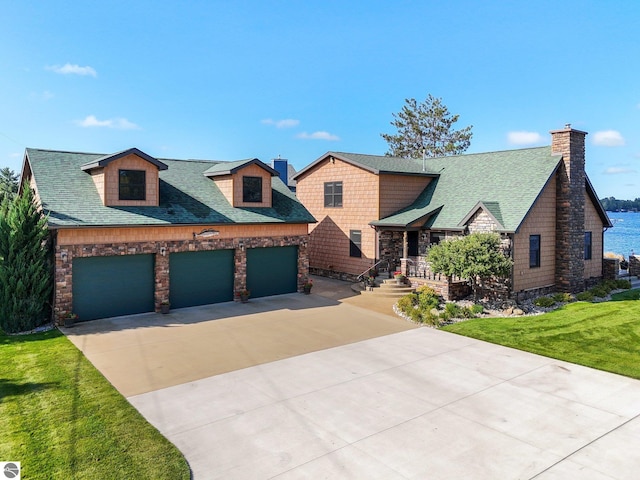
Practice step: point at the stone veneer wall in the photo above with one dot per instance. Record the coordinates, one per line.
(570, 209)
(63, 297)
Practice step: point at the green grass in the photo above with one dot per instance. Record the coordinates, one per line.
(61, 418)
(603, 335)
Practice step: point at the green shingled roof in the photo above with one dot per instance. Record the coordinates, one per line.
(507, 183)
(70, 198)
(378, 164)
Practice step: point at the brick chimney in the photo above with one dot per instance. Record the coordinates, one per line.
(570, 194)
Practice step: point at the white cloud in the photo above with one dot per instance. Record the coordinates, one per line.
(68, 68)
(318, 136)
(608, 138)
(618, 170)
(284, 123)
(116, 123)
(524, 138)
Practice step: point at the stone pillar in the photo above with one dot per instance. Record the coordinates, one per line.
(161, 293)
(634, 265)
(610, 268)
(405, 244)
(570, 193)
(240, 259)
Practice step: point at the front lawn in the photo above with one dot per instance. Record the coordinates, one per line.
(61, 418)
(603, 335)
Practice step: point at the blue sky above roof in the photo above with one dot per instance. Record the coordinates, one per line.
(227, 80)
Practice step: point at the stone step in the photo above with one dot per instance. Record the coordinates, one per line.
(391, 293)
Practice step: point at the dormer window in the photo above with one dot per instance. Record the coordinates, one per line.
(252, 189)
(132, 185)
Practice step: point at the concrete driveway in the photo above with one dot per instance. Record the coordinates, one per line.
(402, 403)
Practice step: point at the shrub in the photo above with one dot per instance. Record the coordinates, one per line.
(445, 316)
(544, 302)
(585, 297)
(453, 309)
(427, 302)
(477, 309)
(466, 312)
(415, 315)
(427, 297)
(623, 284)
(599, 291)
(407, 303)
(431, 318)
(562, 297)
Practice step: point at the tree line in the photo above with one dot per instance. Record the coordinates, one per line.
(612, 204)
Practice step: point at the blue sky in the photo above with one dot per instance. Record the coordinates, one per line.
(225, 80)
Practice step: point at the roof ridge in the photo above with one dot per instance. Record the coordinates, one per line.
(66, 151)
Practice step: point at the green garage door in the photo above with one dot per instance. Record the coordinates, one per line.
(272, 271)
(200, 278)
(112, 286)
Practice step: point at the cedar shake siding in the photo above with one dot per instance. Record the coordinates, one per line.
(399, 191)
(329, 244)
(593, 223)
(109, 181)
(540, 221)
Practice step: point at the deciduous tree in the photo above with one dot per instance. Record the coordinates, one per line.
(477, 257)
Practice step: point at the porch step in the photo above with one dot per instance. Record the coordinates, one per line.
(388, 288)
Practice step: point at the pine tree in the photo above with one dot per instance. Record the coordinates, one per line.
(25, 265)
(426, 129)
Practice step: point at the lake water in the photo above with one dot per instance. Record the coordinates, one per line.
(624, 237)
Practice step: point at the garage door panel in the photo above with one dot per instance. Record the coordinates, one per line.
(272, 271)
(112, 286)
(201, 278)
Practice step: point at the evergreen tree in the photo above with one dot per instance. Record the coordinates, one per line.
(8, 186)
(476, 257)
(26, 278)
(426, 129)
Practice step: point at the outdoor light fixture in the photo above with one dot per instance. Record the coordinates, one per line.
(163, 251)
(64, 256)
(206, 233)
(241, 245)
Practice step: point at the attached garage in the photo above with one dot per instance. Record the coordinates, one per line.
(111, 286)
(200, 278)
(272, 271)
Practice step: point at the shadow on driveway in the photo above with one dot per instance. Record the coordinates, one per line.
(141, 353)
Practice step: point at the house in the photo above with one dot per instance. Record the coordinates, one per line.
(374, 210)
(131, 232)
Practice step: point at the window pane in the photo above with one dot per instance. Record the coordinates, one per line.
(534, 251)
(132, 185)
(355, 243)
(587, 245)
(333, 194)
(252, 189)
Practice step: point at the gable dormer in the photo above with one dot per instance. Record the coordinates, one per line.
(245, 183)
(483, 217)
(128, 178)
